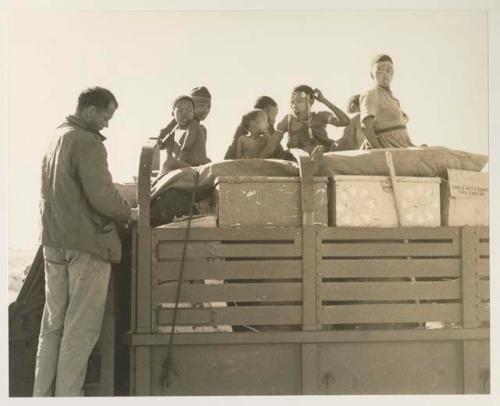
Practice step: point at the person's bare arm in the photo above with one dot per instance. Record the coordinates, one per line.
(239, 148)
(272, 145)
(339, 119)
(369, 132)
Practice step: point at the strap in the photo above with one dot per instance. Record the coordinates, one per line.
(386, 130)
(392, 173)
(167, 364)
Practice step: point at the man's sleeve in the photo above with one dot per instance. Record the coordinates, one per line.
(368, 104)
(97, 183)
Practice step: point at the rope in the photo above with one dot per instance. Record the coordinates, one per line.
(392, 174)
(167, 364)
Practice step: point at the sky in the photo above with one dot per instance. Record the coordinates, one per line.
(149, 58)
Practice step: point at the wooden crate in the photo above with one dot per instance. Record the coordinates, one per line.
(464, 198)
(368, 201)
(266, 201)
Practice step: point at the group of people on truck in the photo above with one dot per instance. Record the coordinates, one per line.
(79, 204)
(378, 122)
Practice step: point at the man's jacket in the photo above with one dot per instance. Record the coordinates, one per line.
(79, 203)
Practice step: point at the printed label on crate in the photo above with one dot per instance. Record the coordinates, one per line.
(468, 190)
(467, 184)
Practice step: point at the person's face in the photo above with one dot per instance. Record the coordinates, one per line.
(202, 107)
(183, 112)
(272, 112)
(97, 119)
(382, 73)
(300, 104)
(259, 124)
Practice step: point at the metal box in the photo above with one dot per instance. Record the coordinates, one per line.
(368, 201)
(267, 201)
(464, 198)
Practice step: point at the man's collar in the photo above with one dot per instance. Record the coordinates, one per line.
(76, 122)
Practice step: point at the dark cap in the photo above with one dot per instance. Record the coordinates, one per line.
(201, 91)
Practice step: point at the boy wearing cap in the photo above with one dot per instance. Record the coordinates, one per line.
(189, 147)
(306, 130)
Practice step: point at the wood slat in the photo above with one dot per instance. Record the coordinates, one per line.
(483, 232)
(227, 234)
(243, 292)
(261, 269)
(253, 315)
(483, 267)
(298, 337)
(391, 290)
(381, 233)
(373, 268)
(391, 313)
(483, 312)
(484, 290)
(388, 249)
(172, 250)
(484, 249)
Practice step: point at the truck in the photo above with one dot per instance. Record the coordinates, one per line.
(302, 309)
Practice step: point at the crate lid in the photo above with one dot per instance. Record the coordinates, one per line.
(264, 179)
(364, 178)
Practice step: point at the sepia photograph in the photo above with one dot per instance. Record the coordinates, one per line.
(220, 199)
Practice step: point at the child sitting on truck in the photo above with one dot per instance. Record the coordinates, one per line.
(306, 130)
(254, 124)
(185, 143)
(192, 150)
(270, 107)
(352, 137)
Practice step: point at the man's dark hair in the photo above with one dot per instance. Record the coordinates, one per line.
(264, 101)
(381, 58)
(95, 96)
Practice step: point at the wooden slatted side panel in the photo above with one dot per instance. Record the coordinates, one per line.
(232, 276)
(390, 276)
(410, 275)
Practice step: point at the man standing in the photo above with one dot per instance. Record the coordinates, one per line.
(78, 207)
